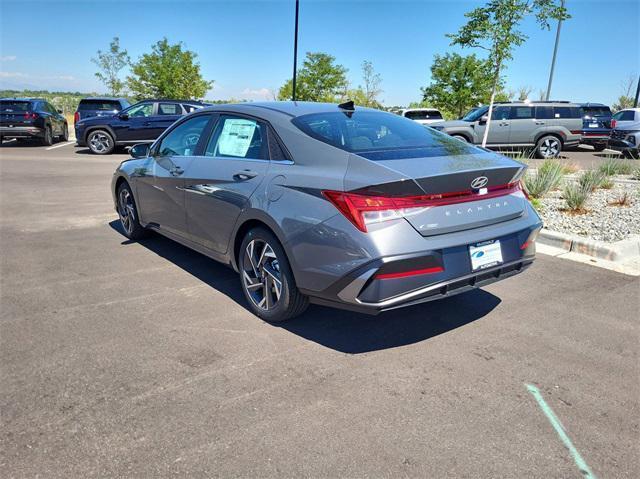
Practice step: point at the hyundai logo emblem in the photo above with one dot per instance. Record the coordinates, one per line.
(479, 182)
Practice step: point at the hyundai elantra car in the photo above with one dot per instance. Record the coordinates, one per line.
(330, 204)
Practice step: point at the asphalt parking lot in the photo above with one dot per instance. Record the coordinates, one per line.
(123, 359)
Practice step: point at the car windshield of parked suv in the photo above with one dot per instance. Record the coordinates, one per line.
(423, 115)
(475, 114)
(378, 135)
(11, 106)
(593, 111)
(99, 105)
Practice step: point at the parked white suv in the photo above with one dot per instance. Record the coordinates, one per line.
(424, 116)
(625, 133)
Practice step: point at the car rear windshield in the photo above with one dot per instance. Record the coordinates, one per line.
(423, 115)
(10, 106)
(379, 135)
(100, 105)
(593, 111)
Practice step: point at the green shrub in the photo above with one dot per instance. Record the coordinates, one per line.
(547, 178)
(575, 196)
(606, 183)
(591, 179)
(614, 166)
(636, 174)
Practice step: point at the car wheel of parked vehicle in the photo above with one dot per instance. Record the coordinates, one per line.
(632, 154)
(47, 139)
(100, 142)
(548, 147)
(599, 147)
(128, 214)
(65, 133)
(266, 278)
(461, 138)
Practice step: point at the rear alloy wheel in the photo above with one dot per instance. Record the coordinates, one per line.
(128, 213)
(100, 142)
(47, 139)
(266, 278)
(548, 147)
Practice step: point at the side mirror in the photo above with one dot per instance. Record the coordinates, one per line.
(484, 119)
(141, 150)
(123, 116)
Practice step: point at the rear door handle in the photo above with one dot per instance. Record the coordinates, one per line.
(176, 171)
(539, 122)
(245, 175)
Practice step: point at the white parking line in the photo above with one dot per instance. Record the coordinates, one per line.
(60, 145)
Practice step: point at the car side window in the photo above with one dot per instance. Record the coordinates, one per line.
(544, 112)
(500, 113)
(189, 108)
(169, 109)
(521, 112)
(183, 139)
(237, 137)
(144, 110)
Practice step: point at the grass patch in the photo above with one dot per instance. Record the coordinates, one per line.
(591, 179)
(623, 199)
(635, 174)
(576, 196)
(569, 168)
(548, 177)
(614, 166)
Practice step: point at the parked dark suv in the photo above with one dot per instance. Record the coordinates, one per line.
(596, 125)
(140, 123)
(98, 106)
(28, 118)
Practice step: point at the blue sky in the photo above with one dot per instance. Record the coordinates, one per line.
(246, 47)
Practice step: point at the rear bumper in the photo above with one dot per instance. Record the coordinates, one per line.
(362, 291)
(21, 132)
(621, 145)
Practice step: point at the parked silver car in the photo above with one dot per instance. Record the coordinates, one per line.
(548, 127)
(625, 136)
(330, 204)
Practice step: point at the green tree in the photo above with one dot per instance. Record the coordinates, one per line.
(168, 72)
(494, 28)
(626, 99)
(319, 79)
(110, 63)
(458, 83)
(371, 88)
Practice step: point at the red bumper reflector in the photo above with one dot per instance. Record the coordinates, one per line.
(414, 272)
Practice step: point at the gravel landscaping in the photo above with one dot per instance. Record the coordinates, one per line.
(602, 220)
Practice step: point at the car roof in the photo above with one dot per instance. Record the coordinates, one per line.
(420, 109)
(107, 98)
(594, 104)
(289, 108)
(21, 99)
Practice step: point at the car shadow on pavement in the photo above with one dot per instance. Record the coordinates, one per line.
(340, 330)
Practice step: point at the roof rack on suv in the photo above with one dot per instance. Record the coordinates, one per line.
(532, 101)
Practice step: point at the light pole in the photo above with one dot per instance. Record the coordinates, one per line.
(635, 102)
(555, 52)
(295, 52)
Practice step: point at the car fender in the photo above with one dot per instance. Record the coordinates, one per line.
(89, 129)
(467, 132)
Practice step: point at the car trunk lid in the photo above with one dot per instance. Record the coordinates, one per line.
(15, 113)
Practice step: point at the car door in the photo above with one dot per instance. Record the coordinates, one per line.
(499, 128)
(166, 115)
(523, 124)
(219, 183)
(132, 124)
(162, 201)
(56, 119)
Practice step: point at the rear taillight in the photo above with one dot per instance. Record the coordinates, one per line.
(76, 117)
(614, 123)
(363, 210)
(412, 272)
(30, 115)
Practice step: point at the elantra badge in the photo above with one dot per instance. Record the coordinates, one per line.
(479, 182)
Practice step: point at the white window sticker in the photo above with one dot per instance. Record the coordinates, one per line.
(235, 138)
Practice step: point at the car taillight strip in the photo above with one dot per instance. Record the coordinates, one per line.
(354, 206)
(414, 272)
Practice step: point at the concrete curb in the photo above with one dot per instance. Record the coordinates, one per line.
(619, 251)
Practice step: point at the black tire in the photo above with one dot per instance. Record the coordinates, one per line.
(599, 147)
(632, 154)
(548, 146)
(65, 133)
(461, 138)
(128, 213)
(47, 139)
(269, 267)
(100, 142)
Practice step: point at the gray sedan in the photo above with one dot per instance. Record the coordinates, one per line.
(330, 204)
